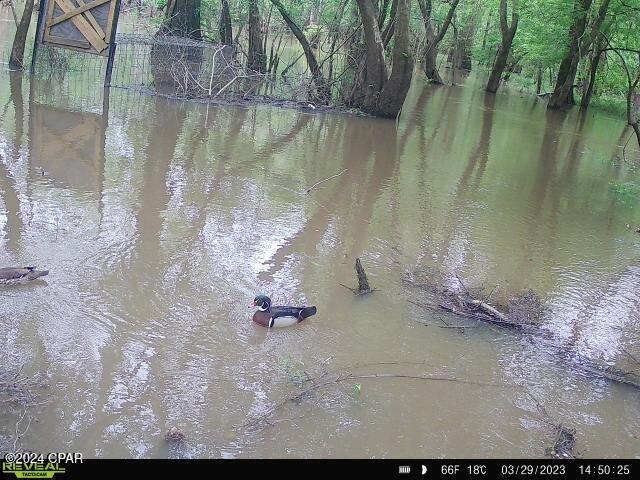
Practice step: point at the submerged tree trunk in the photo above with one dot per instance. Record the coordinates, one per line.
(633, 109)
(375, 71)
(395, 90)
(430, 58)
(508, 32)
(322, 94)
(383, 95)
(432, 39)
(465, 42)
(256, 57)
(563, 92)
(593, 70)
(176, 66)
(16, 60)
(539, 80)
(182, 19)
(226, 32)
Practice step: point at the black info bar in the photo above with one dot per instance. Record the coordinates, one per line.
(374, 468)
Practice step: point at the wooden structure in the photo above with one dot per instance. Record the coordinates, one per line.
(84, 26)
(74, 24)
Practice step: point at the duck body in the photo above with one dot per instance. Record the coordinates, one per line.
(13, 275)
(278, 315)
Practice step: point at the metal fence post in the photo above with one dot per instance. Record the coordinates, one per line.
(112, 46)
(41, 14)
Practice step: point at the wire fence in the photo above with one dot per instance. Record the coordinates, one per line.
(190, 69)
(169, 66)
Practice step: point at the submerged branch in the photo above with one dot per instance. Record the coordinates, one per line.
(326, 179)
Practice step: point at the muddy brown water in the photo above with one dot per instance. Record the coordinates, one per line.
(160, 225)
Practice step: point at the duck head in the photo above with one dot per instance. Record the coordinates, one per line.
(262, 302)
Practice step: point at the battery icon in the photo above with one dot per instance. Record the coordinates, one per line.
(404, 469)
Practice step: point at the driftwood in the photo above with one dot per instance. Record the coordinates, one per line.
(363, 282)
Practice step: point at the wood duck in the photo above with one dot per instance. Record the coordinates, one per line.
(278, 316)
(13, 275)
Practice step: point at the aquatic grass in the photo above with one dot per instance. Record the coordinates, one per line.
(294, 370)
(615, 106)
(625, 192)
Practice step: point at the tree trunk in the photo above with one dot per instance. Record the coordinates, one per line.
(182, 19)
(375, 72)
(563, 92)
(322, 95)
(387, 33)
(465, 42)
(498, 68)
(314, 12)
(508, 32)
(633, 109)
(539, 81)
(395, 90)
(256, 58)
(381, 95)
(226, 33)
(593, 70)
(430, 57)
(16, 61)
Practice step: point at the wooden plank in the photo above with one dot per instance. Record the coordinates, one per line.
(112, 11)
(92, 20)
(66, 41)
(50, 9)
(78, 10)
(85, 28)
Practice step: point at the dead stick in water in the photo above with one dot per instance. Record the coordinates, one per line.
(350, 377)
(326, 179)
(631, 356)
(363, 283)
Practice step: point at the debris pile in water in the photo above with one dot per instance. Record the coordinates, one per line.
(523, 313)
(174, 434)
(21, 397)
(520, 312)
(563, 445)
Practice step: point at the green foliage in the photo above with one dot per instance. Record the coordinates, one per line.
(294, 370)
(611, 104)
(357, 390)
(541, 41)
(625, 192)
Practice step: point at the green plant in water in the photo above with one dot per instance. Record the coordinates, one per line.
(357, 389)
(294, 370)
(626, 192)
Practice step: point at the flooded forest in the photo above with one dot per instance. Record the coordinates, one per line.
(441, 196)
